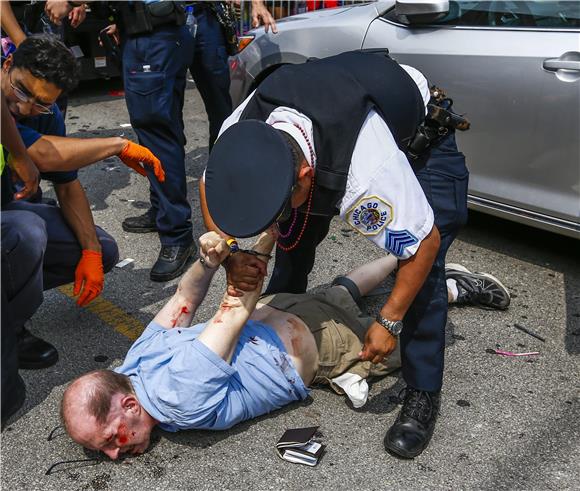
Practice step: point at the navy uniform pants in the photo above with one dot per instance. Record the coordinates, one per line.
(154, 68)
(210, 71)
(39, 252)
(24, 241)
(62, 252)
(444, 181)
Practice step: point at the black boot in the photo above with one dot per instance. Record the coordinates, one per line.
(172, 261)
(142, 223)
(13, 400)
(33, 352)
(411, 432)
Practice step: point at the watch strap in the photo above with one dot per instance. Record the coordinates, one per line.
(394, 327)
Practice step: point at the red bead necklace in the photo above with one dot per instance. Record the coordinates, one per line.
(295, 212)
(289, 232)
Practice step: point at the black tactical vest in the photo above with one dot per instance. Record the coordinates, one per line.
(337, 94)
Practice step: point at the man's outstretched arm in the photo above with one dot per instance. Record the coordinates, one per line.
(193, 286)
(221, 333)
(9, 23)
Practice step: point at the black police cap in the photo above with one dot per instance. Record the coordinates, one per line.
(249, 177)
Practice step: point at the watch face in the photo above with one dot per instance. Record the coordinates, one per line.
(397, 327)
(394, 327)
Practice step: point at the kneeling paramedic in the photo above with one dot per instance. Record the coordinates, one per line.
(297, 157)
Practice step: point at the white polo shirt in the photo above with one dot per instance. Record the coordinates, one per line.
(383, 199)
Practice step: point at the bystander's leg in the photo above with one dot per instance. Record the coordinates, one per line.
(24, 241)
(210, 71)
(154, 68)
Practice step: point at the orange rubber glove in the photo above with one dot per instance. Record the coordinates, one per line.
(89, 276)
(133, 155)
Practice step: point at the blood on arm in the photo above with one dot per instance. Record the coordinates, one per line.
(181, 317)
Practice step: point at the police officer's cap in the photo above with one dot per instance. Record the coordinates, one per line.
(249, 178)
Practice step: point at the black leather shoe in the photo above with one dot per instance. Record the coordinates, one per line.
(411, 432)
(141, 224)
(171, 262)
(34, 353)
(15, 401)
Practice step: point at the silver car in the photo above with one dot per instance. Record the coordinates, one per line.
(513, 68)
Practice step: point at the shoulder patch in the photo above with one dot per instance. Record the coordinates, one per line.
(370, 215)
(396, 241)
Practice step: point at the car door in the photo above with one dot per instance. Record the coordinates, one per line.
(513, 68)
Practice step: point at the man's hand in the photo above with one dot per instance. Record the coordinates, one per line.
(57, 10)
(213, 248)
(77, 16)
(112, 31)
(133, 155)
(379, 343)
(261, 15)
(26, 171)
(244, 272)
(19, 160)
(89, 277)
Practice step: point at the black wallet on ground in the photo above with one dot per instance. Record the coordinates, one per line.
(299, 446)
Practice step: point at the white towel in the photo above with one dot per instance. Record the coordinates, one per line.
(355, 387)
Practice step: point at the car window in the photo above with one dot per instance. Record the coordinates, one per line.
(541, 14)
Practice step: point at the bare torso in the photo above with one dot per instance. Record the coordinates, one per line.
(297, 338)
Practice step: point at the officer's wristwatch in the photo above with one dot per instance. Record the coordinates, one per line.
(394, 327)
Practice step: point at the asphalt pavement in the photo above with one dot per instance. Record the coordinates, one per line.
(505, 423)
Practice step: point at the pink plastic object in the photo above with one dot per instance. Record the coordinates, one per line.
(510, 353)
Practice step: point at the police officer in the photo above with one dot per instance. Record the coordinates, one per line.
(156, 46)
(298, 157)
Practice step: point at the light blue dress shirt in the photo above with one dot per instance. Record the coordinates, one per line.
(184, 385)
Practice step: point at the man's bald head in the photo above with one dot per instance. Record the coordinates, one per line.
(89, 397)
(101, 411)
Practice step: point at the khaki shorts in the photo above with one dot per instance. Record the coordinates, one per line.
(339, 328)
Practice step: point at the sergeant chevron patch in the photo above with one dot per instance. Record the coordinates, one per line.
(396, 241)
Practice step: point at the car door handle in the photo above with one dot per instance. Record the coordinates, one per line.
(554, 64)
